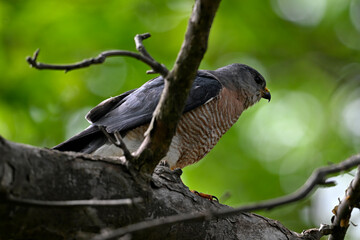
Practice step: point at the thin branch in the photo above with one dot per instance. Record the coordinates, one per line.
(139, 45)
(73, 203)
(341, 219)
(317, 178)
(144, 57)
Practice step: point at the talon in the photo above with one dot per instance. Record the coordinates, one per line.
(204, 195)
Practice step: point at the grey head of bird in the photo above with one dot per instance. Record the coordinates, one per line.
(245, 80)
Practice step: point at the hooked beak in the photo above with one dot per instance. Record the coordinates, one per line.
(266, 94)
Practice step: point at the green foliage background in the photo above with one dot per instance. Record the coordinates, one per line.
(307, 50)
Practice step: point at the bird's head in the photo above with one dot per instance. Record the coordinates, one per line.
(245, 80)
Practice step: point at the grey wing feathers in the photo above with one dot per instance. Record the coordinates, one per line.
(105, 106)
(86, 141)
(135, 108)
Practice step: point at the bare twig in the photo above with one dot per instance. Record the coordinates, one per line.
(342, 212)
(139, 45)
(73, 203)
(144, 57)
(317, 178)
(150, 72)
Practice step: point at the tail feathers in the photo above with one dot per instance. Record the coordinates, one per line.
(86, 141)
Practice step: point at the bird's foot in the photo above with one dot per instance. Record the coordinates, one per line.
(204, 195)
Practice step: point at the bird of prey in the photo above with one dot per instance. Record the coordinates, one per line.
(215, 102)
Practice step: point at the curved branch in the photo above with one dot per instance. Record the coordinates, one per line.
(144, 56)
(317, 178)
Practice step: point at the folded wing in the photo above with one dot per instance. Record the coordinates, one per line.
(133, 109)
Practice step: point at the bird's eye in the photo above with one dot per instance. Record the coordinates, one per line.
(258, 80)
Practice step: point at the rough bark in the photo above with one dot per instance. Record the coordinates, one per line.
(33, 173)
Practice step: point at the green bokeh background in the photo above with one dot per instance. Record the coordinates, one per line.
(308, 51)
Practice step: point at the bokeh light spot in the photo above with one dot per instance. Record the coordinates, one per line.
(305, 12)
(77, 122)
(351, 116)
(286, 123)
(106, 80)
(355, 13)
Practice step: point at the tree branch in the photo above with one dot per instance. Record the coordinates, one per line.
(342, 212)
(169, 110)
(34, 173)
(317, 178)
(144, 57)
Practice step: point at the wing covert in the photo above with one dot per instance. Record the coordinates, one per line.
(137, 107)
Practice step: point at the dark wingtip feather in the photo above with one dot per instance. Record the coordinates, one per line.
(86, 141)
(106, 106)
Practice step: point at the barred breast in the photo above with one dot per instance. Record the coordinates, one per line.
(200, 129)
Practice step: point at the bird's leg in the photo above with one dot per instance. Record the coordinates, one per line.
(118, 141)
(108, 136)
(122, 145)
(204, 195)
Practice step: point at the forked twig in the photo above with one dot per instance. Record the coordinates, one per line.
(144, 56)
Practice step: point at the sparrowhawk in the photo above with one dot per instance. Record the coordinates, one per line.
(215, 102)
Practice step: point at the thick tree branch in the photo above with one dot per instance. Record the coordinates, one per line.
(172, 101)
(342, 212)
(33, 173)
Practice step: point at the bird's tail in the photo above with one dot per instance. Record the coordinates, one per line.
(86, 141)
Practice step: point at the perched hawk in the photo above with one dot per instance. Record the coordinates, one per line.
(216, 100)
